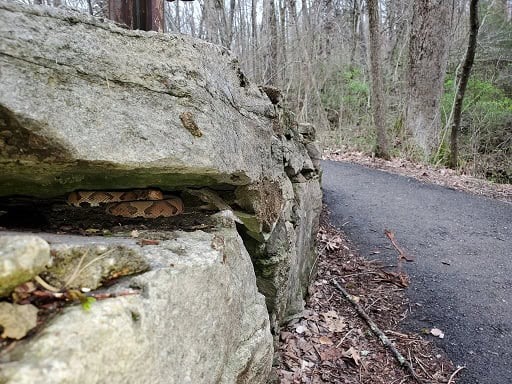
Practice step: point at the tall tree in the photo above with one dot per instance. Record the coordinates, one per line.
(463, 81)
(428, 51)
(272, 38)
(377, 94)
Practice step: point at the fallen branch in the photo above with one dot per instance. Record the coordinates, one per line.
(401, 252)
(382, 337)
(402, 255)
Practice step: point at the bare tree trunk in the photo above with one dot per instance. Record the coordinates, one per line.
(283, 40)
(215, 22)
(327, 27)
(271, 41)
(463, 81)
(254, 44)
(377, 94)
(89, 5)
(305, 14)
(178, 17)
(356, 17)
(428, 51)
(230, 25)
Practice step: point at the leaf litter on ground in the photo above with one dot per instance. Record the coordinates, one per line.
(330, 343)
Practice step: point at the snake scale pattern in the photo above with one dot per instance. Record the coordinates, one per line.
(145, 203)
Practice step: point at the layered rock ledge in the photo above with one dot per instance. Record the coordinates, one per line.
(197, 318)
(88, 105)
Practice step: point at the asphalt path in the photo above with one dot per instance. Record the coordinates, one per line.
(461, 279)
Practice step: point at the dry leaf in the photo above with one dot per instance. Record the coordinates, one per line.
(330, 314)
(437, 333)
(305, 365)
(325, 340)
(351, 353)
(336, 325)
(17, 320)
(330, 354)
(21, 292)
(148, 242)
(333, 323)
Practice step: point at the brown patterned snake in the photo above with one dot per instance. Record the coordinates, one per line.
(146, 203)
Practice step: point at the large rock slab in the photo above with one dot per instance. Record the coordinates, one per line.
(130, 109)
(198, 319)
(88, 104)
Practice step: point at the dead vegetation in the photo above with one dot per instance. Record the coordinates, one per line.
(331, 342)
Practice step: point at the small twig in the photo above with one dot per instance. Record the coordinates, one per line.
(79, 270)
(76, 270)
(421, 366)
(102, 296)
(344, 337)
(382, 337)
(39, 280)
(403, 335)
(72, 295)
(402, 253)
(361, 273)
(450, 380)
(371, 304)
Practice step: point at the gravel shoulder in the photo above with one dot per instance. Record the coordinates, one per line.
(460, 279)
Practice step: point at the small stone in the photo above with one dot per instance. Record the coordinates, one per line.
(17, 320)
(21, 259)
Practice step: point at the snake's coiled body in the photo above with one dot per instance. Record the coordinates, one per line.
(145, 203)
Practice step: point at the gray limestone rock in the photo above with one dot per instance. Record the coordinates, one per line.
(89, 263)
(21, 259)
(315, 153)
(198, 318)
(131, 109)
(115, 102)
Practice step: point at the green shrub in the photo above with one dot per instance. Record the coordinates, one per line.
(486, 128)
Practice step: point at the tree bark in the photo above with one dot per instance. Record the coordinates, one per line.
(271, 56)
(355, 21)
(254, 43)
(178, 18)
(377, 94)
(463, 81)
(428, 52)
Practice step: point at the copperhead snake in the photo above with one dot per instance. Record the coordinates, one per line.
(145, 203)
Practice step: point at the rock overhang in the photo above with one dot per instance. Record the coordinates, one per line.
(45, 180)
(95, 103)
